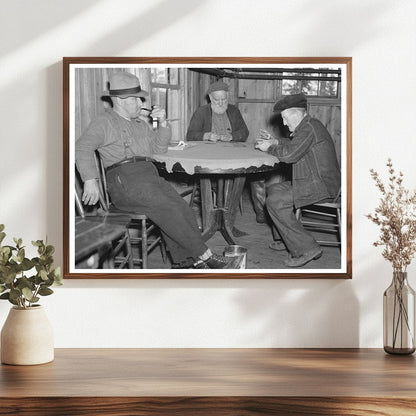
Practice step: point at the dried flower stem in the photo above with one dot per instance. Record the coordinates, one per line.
(396, 216)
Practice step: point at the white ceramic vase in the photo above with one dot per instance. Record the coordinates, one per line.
(27, 337)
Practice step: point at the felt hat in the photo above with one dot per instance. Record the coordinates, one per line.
(123, 84)
(217, 86)
(290, 101)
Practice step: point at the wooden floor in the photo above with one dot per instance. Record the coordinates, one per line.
(260, 256)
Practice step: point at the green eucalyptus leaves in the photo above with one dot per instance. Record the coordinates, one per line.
(15, 284)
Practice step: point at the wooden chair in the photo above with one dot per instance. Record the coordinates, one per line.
(148, 235)
(100, 238)
(324, 218)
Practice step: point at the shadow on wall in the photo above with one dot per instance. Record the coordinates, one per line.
(155, 19)
(283, 313)
(130, 33)
(301, 314)
(40, 16)
(43, 16)
(349, 23)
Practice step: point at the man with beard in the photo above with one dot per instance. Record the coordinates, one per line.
(221, 121)
(125, 144)
(316, 176)
(217, 121)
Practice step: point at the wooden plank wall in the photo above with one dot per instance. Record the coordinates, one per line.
(89, 86)
(330, 116)
(256, 98)
(88, 81)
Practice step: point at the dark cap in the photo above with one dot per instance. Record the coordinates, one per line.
(217, 86)
(290, 101)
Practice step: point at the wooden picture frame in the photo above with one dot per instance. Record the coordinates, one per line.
(326, 80)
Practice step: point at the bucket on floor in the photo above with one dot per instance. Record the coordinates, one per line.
(236, 251)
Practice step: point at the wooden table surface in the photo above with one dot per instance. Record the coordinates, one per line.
(212, 382)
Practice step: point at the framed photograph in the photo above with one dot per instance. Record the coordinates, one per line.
(230, 168)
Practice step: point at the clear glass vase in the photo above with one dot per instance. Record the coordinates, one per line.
(399, 316)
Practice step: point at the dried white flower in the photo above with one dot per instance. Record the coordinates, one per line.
(396, 216)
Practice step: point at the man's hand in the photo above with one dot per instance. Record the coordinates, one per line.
(226, 138)
(159, 113)
(265, 135)
(265, 140)
(91, 192)
(264, 145)
(211, 137)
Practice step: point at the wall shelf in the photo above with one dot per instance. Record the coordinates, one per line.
(212, 382)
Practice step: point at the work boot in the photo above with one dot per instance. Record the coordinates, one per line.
(258, 197)
(305, 258)
(184, 264)
(278, 245)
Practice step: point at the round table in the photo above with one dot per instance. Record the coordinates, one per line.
(227, 163)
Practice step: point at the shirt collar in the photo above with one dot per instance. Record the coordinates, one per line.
(299, 125)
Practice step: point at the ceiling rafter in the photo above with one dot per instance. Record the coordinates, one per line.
(321, 74)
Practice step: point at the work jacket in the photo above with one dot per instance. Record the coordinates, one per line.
(315, 170)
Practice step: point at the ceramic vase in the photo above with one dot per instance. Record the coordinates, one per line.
(399, 316)
(27, 337)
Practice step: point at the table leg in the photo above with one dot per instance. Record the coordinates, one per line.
(222, 216)
(224, 190)
(211, 218)
(232, 194)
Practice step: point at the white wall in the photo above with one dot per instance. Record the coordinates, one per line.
(380, 36)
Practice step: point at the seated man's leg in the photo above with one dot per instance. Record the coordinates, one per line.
(183, 237)
(141, 190)
(280, 206)
(153, 196)
(178, 223)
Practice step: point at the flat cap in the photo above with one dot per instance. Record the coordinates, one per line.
(290, 101)
(217, 86)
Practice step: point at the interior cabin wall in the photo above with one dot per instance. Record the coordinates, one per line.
(257, 116)
(87, 102)
(195, 94)
(255, 100)
(90, 84)
(204, 83)
(329, 113)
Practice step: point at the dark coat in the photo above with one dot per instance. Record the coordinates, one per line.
(201, 122)
(316, 174)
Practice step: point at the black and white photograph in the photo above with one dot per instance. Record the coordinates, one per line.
(207, 168)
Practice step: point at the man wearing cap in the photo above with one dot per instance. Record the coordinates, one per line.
(125, 144)
(217, 121)
(221, 121)
(315, 176)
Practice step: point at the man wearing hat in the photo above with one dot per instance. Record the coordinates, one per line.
(125, 144)
(316, 176)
